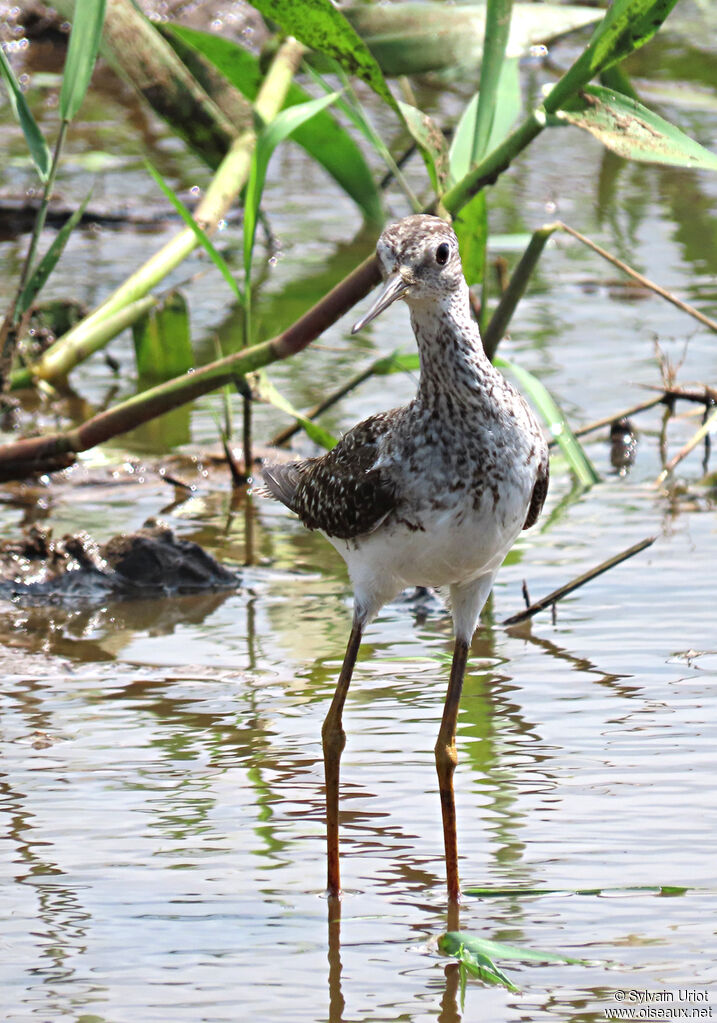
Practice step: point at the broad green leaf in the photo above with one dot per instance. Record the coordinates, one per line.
(506, 111)
(202, 236)
(268, 393)
(322, 27)
(460, 151)
(322, 137)
(507, 102)
(431, 143)
(162, 341)
(81, 55)
(554, 420)
(48, 262)
(471, 227)
(36, 144)
(627, 25)
(414, 38)
(269, 138)
(452, 941)
(497, 29)
(237, 64)
(632, 131)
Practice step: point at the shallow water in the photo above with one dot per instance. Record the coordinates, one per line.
(162, 850)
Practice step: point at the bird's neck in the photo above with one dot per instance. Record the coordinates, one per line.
(450, 349)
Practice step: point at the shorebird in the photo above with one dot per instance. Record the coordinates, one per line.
(430, 494)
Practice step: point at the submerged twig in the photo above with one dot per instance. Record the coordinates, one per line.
(704, 395)
(709, 424)
(667, 396)
(598, 424)
(239, 478)
(586, 577)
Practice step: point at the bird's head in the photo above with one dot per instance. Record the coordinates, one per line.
(419, 261)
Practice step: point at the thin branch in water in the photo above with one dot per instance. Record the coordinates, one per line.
(401, 161)
(239, 478)
(708, 445)
(704, 395)
(174, 481)
(709, 424)
(598, 424)
(645, 281)
(574, 584)
(667, 396)
(669, 368)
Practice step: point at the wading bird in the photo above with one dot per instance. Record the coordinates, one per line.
(430, 494)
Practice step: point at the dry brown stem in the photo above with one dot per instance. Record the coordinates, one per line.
(574, 584)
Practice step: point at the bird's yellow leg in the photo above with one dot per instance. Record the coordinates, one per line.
(446, 759)
(333, 740)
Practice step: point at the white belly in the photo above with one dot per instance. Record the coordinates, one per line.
(454, 547)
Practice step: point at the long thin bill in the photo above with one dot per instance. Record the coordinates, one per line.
(393, 288)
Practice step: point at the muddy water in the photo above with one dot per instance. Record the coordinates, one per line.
(161, 849)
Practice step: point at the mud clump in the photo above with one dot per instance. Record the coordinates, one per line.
(148, 562)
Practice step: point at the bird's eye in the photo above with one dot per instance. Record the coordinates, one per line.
(442, 253)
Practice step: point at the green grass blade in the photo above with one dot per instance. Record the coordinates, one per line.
(351, 105)
(323, 138)
(38, 148)
(49, 260)
(632, 131)
(482, 966)
(322, 27)
(286, 122)
(555, 421)
(268, 393)
(202, 236)
(497, 30)
(519, 892)
(81, 55)
(498, 324)
(397, 362)
(453, 941)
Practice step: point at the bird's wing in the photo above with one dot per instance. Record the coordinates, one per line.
(540, 489)
(341, 493)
